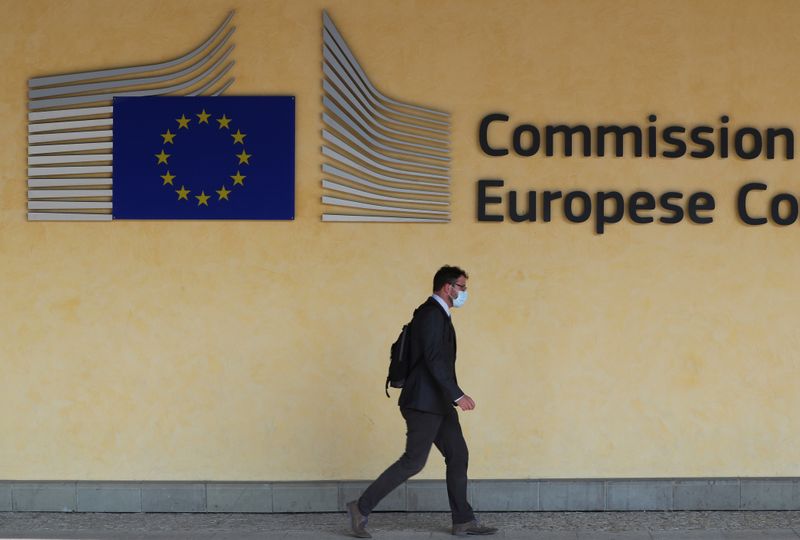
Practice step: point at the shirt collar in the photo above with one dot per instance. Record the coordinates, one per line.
(442, 303)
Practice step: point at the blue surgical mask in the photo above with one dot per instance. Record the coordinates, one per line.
(459, 300)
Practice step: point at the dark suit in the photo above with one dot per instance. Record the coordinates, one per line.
(427, 405)
(432, 385)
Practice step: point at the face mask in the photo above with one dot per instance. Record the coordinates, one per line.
(459, 300)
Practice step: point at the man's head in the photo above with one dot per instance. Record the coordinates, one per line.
(450, 284)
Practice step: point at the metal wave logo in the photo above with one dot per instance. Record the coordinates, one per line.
(70, 125)
(387, 160)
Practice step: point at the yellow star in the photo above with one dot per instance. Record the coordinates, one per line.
(183, 122)
(238, 178)
(223, 193)
(168, 137)
(162, 157)
(203, 116)
(244, 157)
(183, 193)
(168, 178)
(202, 199)
(238, 137)
(223, 122)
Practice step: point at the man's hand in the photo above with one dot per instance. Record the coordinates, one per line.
(466, 403)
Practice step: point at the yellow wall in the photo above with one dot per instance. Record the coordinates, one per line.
(257, 350)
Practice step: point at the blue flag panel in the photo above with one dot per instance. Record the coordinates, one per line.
(221, 157)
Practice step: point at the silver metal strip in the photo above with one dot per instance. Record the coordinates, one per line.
(342, 87)
(76, 147)
(332, 100)
(331, 60)
(120, 83)
(106, 73)
(60, 102)
(224, 87)
(334, 48)
(333, 95)
(68, 113)
(338, 128)
(333, 154)
(213, 81)
(336, 141)
(68, 182)
(342, 218)
(356, 87)
(388, 157)
(70, 136)
(328, 24)
(333, 186)
(74, 124)
(332, 170)
(68, 158)
(59, 171)
(195, 73)
(68, 205)
(67, 193)
(336, 201)
(64, 216)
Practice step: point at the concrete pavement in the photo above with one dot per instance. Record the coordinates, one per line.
(412, 526)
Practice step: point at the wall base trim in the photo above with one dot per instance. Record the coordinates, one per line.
(663, 494)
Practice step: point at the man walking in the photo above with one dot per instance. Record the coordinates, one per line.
(427, 403)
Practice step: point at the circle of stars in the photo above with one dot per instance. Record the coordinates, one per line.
(243, 158)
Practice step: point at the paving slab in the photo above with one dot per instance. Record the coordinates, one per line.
(239, 497)
(44, 496)
(109, 497)
(178, 497)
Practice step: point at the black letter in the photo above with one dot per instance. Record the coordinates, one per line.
(707, 144)
(739, 143)
(483, 135)
(723, 137)
(680, 146)
(548, 197)
(677, 211)
(772, 133)
(535, 140)
(634, 206)
(619, 133)
(695, 204)
(568, 132)
(776, 209)
(742, 203)
(483, 200)
(600, 209)
(515, 216)
(586, 209)
(651, 137)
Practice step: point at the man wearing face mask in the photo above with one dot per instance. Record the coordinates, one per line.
(427, 403)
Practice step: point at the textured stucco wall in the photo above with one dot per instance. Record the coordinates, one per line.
(257, 351)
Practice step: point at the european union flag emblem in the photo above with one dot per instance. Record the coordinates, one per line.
(221, 157)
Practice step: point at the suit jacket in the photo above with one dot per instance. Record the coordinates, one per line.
(432, 385)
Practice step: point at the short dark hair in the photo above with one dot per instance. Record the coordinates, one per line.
(447, 274)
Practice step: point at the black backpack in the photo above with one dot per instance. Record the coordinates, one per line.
(399, 360)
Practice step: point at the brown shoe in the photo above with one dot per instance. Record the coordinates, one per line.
(357, 521)
(472, 528)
